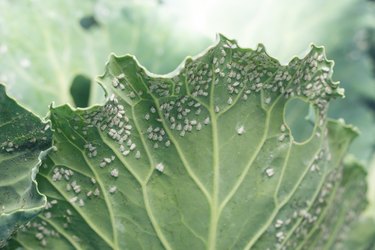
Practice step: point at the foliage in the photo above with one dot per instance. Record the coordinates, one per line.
(202, 158)
(183, 182)
(22, 138)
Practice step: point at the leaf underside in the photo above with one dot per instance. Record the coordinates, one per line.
(198, 159)
(22, 138)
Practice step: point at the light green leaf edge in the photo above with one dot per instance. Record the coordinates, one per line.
(22, 139)
(361, 234)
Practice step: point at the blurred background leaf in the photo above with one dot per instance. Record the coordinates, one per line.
(44, 45)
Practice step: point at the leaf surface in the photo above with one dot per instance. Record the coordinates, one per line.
(362, 235)
(22, 138)
(337, 226)
(198, 159)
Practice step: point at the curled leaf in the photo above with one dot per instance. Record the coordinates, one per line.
(22, 138)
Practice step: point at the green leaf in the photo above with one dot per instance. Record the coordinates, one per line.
(198, 159)
(342, 27)
(338, 225)
(362, 235)
(45, 45)
(22, 138)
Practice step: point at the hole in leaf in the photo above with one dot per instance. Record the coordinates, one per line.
(80, 91)
(300, 118)
(88, 22)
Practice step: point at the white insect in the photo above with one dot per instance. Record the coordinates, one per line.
(282, 128)
(112, 189)
(138, 154)
(267, 100)
(241, 130)
(114, 172)
(207, 120)
(199, 126)
(270, 172)
(279, 223)
(160, 167)
(281, 137)
(230, 100)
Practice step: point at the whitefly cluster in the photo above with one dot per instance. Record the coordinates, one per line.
(190, 102)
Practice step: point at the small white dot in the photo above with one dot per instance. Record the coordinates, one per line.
(114, 172)
(241, 130)
(138, 154)
(112, 189)
(270, 172)
(160, 167)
